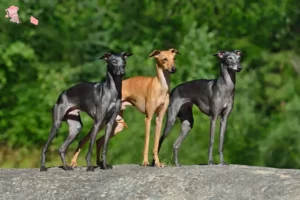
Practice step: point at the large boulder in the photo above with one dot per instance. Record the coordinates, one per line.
(136, 182)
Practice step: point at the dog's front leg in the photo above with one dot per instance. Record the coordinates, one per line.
(147, 138)
(94, 131)
(108, 132)
(159, 120)
(223, 124)
(213, 120)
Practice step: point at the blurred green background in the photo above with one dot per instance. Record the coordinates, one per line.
(38, 62)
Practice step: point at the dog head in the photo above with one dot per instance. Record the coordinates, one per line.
(116, 62)
(231, 59)
(166, 59)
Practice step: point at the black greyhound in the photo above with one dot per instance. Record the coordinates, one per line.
(101, 101)
(213, 97)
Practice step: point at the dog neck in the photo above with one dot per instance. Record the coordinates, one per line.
(227, 77)
(114, 82)
(163, 77)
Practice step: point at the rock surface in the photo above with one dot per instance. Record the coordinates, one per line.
(136, 182)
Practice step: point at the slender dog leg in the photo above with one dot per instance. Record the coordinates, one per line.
(187, 121)
(170, 121)
(75, 127)
(118, 127)
(78, 149)
(186, 126)
(211, 139)
(159, 120)
(172, 112)
(94, 131)
(147, 138)
(223, 124)
(108, 132)
(58, 112)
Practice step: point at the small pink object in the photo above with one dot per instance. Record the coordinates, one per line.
(34, 20)
(12, 13)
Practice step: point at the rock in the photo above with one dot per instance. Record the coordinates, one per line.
(136, 182)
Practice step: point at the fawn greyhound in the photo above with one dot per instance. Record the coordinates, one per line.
(150, 95)
(213, 97)
(101, 101)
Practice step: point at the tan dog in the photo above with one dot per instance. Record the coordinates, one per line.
(150, 95)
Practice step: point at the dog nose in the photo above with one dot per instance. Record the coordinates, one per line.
(173, 69)
(239, 68)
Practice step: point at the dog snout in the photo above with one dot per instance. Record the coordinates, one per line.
(122, 72)
(173, 69)
(239, 68)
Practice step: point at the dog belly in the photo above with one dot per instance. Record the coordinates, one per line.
(203, 108)
(141, 108)
(140, 105)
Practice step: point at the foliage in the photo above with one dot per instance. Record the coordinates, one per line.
(39, 62)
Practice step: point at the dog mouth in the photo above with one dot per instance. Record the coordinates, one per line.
(236, 69)
(172, 71)
(120, 73)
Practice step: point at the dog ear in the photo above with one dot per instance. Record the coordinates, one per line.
(220, 54)
(154, 53)
(174, 51)
(126, 55)
(238, 52)
(105, 56)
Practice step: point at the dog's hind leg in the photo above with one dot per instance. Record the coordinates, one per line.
(79, 147)
(172, 113)
(186, 117)
(170, 121)
(58, 112)
(81, 143)
(75, 126)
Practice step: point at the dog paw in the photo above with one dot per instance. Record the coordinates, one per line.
(99, 163)
(73, 164)
(43, 169)
(223, 164)
(90, 169)
(67, 168)
(211, 162)
(159, 165)
(106, 166)
(145, 163)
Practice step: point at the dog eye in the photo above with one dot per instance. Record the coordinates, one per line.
(165, 59)
(114, 62)
(174, 58)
